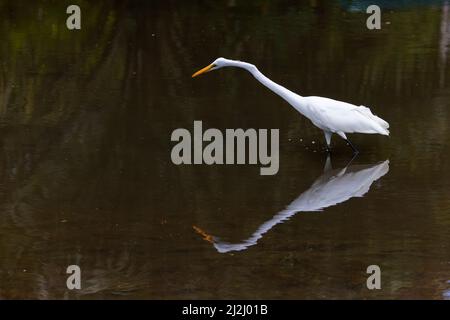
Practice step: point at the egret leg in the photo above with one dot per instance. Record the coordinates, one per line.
(343, 136)
(351, 160)
(328, 166)
(328, 140)
(355, 151)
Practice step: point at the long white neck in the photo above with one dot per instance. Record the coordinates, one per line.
(291, 97)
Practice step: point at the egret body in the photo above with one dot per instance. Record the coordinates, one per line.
(327, 114)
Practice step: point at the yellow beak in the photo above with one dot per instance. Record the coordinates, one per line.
(204, 70)
(206, 236)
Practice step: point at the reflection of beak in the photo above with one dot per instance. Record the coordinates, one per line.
(206, 236)
(204, 70)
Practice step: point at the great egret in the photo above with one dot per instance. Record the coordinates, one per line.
(331, 188)
(330, 115)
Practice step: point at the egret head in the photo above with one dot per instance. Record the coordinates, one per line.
(217, 64)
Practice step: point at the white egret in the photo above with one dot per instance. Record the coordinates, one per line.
(330, 115)
(331, 188)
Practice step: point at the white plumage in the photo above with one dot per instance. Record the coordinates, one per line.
(330, 115)
(331, 188)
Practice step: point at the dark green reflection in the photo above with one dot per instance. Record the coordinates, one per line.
(86, 177)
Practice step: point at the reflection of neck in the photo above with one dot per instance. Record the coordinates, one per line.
(258, 234)
(292, 98)
(331, 188)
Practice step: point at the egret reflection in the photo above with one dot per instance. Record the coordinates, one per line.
(334, 186)
(446, 293)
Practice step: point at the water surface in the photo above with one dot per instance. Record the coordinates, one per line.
(85, 171)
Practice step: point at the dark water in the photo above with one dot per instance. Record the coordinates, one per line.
(86, 176)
